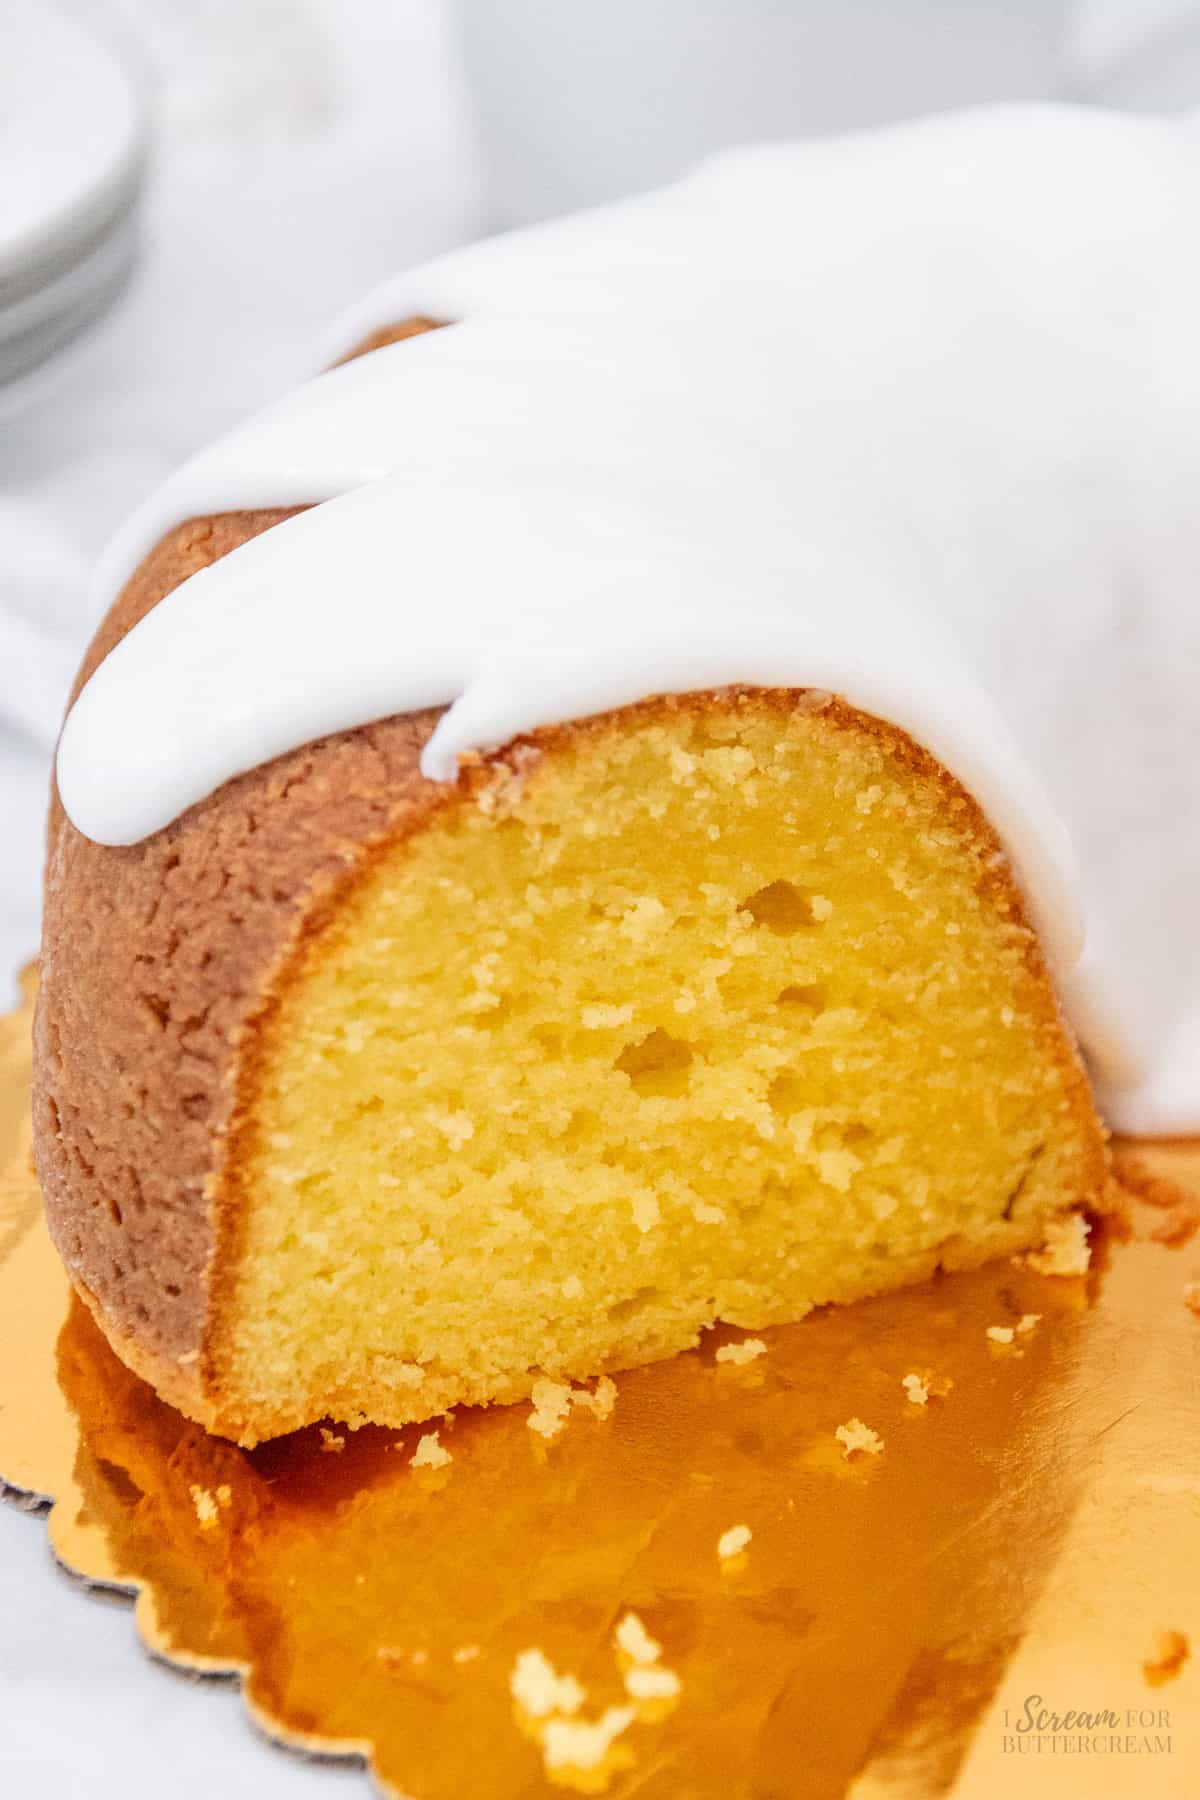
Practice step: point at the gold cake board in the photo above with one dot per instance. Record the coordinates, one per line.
(1027, 1543)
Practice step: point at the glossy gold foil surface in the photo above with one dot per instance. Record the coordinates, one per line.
(1003, 1599)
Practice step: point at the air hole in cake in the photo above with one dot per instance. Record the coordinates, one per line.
(781, 907)
(158, 1009)
(114, 1211)
(857, 1134)
(657, 1065)
(488, 1011)
(624, 1311)
(810, 995)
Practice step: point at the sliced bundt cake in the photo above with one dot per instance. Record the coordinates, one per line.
(545, 856)
(361, 1096)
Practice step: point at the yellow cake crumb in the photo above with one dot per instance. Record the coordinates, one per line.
(1028, 1322)
(600, 1400)
(1066, 1250)
(551, 1403)
(856, 1437)
(744, 1352)
(916, 1389)
(635, 1642)
(553, 1400)
(652, 1683)
(205, 1504)
(465, 1653)
(1000, 1334)
(208, 1501)
(733, 1542)
(332, 1443)
(583, 1743)
(430, 1453)
(540, 1690)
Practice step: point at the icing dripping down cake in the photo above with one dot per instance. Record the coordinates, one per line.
(585, 821)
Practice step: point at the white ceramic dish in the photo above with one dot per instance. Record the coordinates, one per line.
(72, 145)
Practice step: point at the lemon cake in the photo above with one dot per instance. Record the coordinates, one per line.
(554, 844)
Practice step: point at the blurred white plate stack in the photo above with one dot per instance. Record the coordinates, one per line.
(72, 154)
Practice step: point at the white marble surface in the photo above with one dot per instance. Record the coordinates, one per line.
(86, 1715)
(306, 148)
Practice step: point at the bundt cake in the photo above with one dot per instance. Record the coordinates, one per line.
(561, 835)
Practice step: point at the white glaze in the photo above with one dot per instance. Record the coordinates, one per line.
(914, 416)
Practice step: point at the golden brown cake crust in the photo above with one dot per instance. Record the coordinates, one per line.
(159, 961)
(156, 959)
(169, 948)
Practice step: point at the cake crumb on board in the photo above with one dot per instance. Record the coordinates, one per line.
(646, 1679)
(652, 1682)
(858, 1439)
(208, 1502)
(600, 1400)
(743, 1352)
(584, 1744)
(634, 1641)
(1066, 1250)
(1001, 1334)
(731, 1543)
(540, 1690)
(551, 1403)
(430, 1453)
